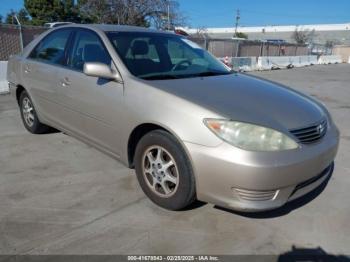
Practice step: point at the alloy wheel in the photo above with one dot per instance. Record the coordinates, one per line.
(160, 171)
(28, 111)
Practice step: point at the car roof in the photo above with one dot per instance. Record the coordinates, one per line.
(117, 28)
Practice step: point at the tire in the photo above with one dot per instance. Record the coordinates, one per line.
(171, 186)
(29, 117)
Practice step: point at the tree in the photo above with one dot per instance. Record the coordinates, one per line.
(0, 19)
(329, 44)
(22, 16)
(168, 16)
(10, 17)
(97, 11)
(303, 37)
(133, 12)
(44, 11)
(241, 35)
(201, 33)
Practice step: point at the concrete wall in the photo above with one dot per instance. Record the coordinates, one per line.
(330, 59)
(3, 82)
(230, 48)
(343, 51)
(275, 62)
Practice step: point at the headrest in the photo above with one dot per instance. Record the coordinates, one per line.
(139, 47)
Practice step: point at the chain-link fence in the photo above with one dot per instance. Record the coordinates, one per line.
(247, 48)
(11, 37)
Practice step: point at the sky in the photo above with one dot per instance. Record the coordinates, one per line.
(221, 13)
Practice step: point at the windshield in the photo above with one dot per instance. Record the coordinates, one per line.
(156, 56)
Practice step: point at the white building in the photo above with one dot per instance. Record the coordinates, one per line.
(338, 33)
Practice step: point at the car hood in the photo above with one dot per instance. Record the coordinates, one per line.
(245, 98)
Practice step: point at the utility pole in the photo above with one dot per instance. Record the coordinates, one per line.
(235, 40)
(238, 17)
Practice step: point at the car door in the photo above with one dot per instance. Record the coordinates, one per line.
(92, 107)
(39, 70)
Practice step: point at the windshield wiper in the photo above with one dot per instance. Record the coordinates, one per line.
(160, 77)
(213, 73)
(170, 76)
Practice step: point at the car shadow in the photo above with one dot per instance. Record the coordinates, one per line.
(196, 204)
(49, 131)
(53, 131)
(288, 207)
(311, 255)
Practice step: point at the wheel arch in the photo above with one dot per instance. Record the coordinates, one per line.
(141, 130)
(19, 90)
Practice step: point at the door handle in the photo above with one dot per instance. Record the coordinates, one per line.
(65, 82)
(26, 69)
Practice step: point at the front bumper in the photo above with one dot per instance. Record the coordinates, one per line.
(259, 181)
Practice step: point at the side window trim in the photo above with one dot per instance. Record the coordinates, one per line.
(68, 47)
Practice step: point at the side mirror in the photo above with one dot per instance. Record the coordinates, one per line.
(101, 70)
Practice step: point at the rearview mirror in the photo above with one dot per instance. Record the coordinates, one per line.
(101, 70)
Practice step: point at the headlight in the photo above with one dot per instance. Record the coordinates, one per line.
(250, 137)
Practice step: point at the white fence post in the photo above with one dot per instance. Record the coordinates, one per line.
(3, 82)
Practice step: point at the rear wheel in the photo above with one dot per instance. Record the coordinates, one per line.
(29, 116)
(164, 171)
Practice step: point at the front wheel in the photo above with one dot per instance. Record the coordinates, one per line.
(29, 115)
(164, 171)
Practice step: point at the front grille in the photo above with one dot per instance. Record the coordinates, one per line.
(251, 195)
(311, 134)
